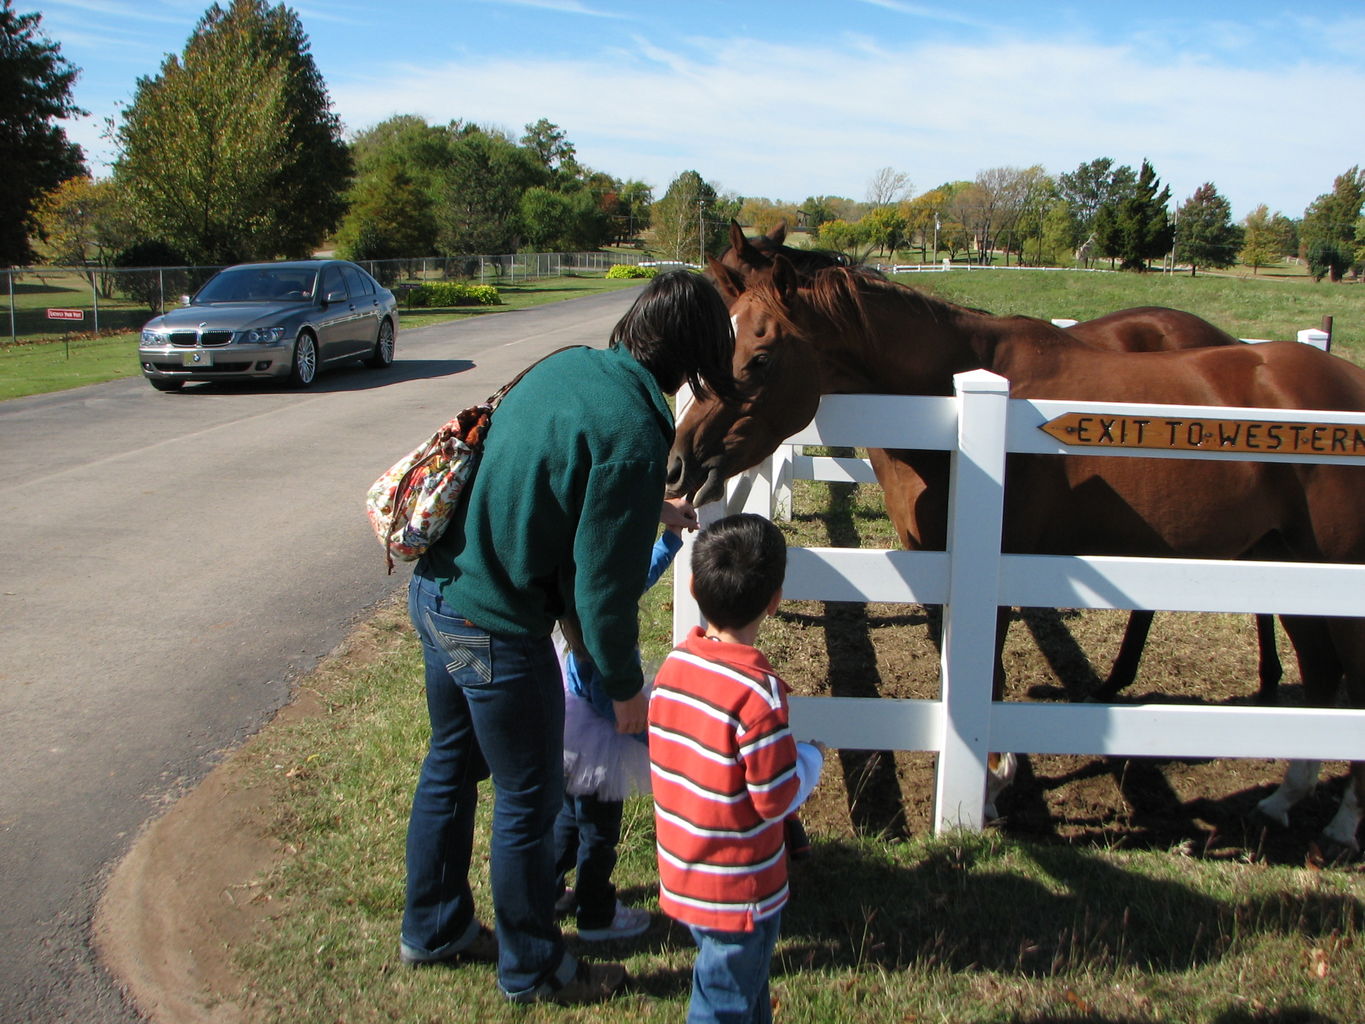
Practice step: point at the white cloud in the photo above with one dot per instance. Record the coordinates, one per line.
(787, 121)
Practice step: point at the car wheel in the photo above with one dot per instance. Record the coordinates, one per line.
(305, 369)
(383, 347)
(162, 384)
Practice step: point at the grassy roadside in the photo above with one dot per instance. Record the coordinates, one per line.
(57, 364)
(968, 928)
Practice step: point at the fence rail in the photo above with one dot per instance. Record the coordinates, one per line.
(972, 579)
(123, 298)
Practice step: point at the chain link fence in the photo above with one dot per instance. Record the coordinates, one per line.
(51, 303)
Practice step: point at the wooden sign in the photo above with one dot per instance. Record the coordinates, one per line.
(1094, 430)
(66, 314)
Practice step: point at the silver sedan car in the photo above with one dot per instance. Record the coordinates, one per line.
(283, 321)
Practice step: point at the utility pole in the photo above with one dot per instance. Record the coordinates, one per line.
(701, 235)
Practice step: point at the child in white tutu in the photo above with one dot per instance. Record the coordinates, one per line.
(601, 768)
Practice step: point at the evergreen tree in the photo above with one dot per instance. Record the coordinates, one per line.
(1204, 233)
(1144, 230)
(232, 152)
(1089, 188)
(35, 154)
(1329, 224)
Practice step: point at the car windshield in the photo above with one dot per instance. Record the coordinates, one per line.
(259, 284)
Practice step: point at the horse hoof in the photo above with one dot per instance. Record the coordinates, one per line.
(1270, 816)
(1331, 852)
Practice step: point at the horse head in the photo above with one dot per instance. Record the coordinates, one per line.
(748, 257)
(776, 367)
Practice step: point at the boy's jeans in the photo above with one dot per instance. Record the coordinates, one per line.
(730, 977)
(496, 706)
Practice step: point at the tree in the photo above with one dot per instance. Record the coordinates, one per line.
(1204, 233)
(390, 217)
(687, 221)
(848, 238)
(553, 149)
(1090, 188)
(887, 187)
(1143, 229)
(1329, 224)
(232, 152)
(35, 154)
(81, 222)
(557, 221)
(636, 200)
(479, 207)
(884, 228)
(1260, 246)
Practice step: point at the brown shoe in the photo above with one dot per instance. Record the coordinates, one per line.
(591, 983)
(482, 950)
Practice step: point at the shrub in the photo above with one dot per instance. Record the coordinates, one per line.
(440, 294)
(621, 271)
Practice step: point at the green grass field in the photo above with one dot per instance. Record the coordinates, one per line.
(974, 928)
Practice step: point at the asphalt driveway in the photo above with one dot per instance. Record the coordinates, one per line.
(169, 565)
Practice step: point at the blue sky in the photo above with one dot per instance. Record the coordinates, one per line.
(787, 99)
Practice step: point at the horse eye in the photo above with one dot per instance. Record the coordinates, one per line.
(758, 362)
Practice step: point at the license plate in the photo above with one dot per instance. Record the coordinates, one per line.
(197, 358)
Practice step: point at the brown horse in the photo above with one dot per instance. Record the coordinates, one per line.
(915, 483)
(842, 331)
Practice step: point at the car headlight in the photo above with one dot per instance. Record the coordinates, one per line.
(263, 336)
(152, 338)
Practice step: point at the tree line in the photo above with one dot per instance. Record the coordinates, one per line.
(231, 152)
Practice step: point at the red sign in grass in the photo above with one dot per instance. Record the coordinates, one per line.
(66, 314)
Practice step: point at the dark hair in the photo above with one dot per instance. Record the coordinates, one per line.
(738, 564)
(679, 330)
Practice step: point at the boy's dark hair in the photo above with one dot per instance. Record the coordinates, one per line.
(738, 564)
(679, 330)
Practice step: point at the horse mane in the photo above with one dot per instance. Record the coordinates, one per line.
(839, 294)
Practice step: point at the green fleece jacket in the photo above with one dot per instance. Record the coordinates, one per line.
(563, 509)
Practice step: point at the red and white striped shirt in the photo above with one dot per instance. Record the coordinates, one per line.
(723, 767)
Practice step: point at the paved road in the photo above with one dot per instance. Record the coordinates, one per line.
(169, 564)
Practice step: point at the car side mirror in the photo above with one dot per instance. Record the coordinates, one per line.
(335, 295)
(184, 300)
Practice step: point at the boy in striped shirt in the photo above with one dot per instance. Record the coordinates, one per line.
(726, 771)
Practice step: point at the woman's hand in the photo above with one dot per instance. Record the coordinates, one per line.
(632, 715)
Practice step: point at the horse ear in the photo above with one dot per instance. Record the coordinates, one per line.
(785, 279)
(778, 233)
(729, 282)
(737, 239)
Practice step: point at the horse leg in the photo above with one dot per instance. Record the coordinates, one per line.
(1339, 837)
(1124, 669)
(1321, 670)
(1268, 667)
(1000, 768)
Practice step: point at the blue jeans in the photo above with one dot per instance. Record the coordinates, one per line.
(730, 977)
(586, 834)
(497, 707)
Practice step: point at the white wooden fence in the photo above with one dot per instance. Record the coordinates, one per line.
(972, 578)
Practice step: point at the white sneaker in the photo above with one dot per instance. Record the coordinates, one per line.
(628, 922)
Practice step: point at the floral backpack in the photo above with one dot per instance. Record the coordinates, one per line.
(412, 502)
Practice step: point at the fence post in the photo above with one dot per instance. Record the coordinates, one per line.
(781, 477)
(975, 511)
(13, 326)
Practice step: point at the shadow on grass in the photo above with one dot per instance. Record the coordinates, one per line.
(964, 908)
